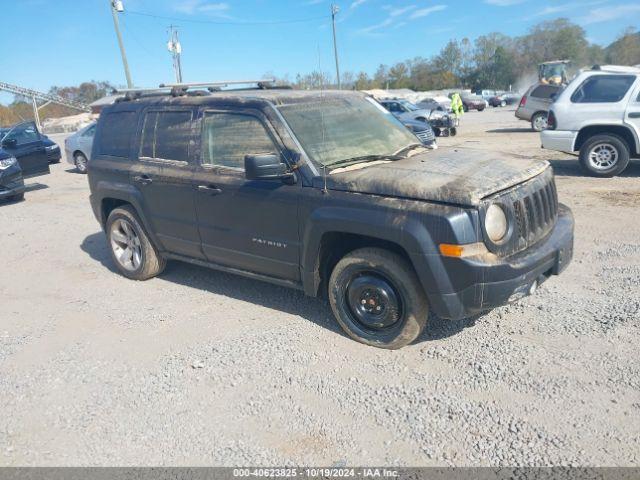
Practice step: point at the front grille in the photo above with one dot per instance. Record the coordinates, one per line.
(533, 211)
(426, 136)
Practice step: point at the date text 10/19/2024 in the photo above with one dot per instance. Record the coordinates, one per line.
(315, 472)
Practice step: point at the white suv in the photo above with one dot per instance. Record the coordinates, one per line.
(598, 114)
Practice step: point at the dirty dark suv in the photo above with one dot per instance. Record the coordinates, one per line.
(327, 193)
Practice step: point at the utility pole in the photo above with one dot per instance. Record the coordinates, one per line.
(176, 49)
(334, 11)
(116, 7)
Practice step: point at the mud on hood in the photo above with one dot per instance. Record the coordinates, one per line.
(461, 176)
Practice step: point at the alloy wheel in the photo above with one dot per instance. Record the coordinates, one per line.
(126, 245)
(603, 156)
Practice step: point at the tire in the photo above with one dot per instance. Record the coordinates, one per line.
(80, 161)
(539, 121)
(481, 109)
(437, 132)
(465, 107)
(503, 103)
(604, 155)
(144, 261)
(453, 131)
(371, 279)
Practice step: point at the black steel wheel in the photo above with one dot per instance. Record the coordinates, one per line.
(377, 298)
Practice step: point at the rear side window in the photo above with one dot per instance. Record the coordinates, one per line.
(228, 138)
(166, 135)
(118, 129)
(603, 89)
(544, 91)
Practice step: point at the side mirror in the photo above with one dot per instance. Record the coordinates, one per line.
(266, 167)
(9, 142)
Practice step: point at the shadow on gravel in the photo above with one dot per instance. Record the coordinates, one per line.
(570, 167)
(33, 187)
(511, 130)
(74, 170)
(294, 302)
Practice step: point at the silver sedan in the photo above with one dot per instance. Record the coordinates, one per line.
(78, 147)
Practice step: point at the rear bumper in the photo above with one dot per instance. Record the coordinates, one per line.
(54, 155)
(560, 140)
(523, 114)
(506, 280)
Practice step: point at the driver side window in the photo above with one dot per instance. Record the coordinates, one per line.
(228, 137)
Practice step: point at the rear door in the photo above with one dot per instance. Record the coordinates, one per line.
(25, 143)
(163, 176)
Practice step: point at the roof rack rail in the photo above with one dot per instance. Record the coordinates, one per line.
(180, 89)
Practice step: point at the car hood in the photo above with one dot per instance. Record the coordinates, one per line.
(459, 176)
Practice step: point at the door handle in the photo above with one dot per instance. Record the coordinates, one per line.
(143, 179)
(210, 189)
(634, 115)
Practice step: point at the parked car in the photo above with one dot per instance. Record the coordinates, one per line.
(423, 131)
(405, 110)
(22, 155)
(598, 115)
(473, 102)
(78, 147)
(535, 103)
(323, 192)
(53, 150)
(54, 155)
(432, 104)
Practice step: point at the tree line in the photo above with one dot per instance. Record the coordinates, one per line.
(493, 61)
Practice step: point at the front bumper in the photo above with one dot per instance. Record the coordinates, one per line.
(559, 140)
(11, 182)
(503, 281)
(54, 155)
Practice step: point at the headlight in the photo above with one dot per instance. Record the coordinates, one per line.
(7, 162)
(50, 147)
(495, 223)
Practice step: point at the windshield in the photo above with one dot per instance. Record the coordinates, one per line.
(335, 129)
(409, 105)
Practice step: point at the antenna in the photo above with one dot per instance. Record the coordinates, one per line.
(324, 167)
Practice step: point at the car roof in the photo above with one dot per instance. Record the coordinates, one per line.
(248, 97)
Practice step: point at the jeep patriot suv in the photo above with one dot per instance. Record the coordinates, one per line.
(328, 193)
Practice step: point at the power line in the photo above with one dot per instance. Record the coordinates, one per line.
(216, 22)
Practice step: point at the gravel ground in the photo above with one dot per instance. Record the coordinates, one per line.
(198, 367)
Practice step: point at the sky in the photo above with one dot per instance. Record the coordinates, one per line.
(65, 42)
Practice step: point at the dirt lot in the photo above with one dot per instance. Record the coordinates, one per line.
(202, 368)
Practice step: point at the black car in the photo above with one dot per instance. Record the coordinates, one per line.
(54, 155)
(22, 155)
(326, 193)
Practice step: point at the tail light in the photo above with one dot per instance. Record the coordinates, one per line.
(551, 121)
(523, 101)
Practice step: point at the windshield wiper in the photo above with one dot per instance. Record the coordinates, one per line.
(408, 148)
(365, 158)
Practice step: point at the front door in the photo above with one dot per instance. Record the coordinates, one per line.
(163, 175)
(245, 224)
(24, 142)
(633, 110)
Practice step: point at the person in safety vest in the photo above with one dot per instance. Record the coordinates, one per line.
(456, 105)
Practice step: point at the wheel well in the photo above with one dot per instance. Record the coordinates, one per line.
(623, 132)
(541, 112)
(335, 245)
(110, 204)
(77, 152)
